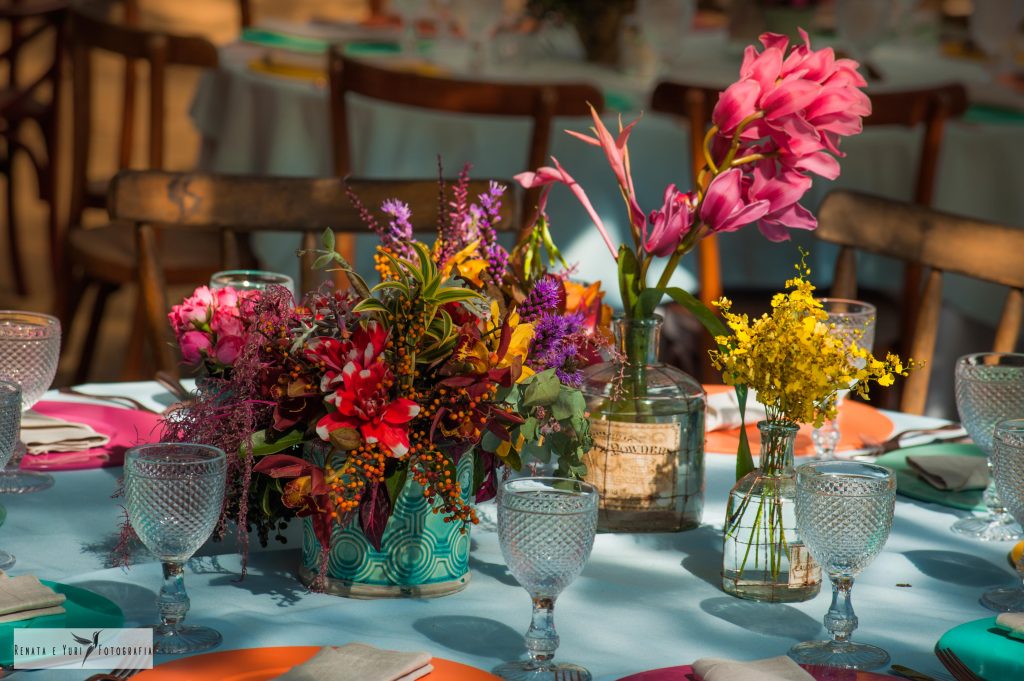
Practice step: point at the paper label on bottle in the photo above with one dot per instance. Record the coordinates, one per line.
(635, 466)
(803, 569)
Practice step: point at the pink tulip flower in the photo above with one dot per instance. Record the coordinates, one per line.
(671, 223)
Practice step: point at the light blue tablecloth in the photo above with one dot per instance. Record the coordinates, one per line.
(643, 601)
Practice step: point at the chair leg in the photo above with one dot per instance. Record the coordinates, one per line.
(135, 356)
(13, 241)
(103, 291)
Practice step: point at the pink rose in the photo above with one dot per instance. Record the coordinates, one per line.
(226, 323)
(194, 344)
(227, 297)
(228, 348)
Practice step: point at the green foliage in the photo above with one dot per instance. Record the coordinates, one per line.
(259, 446)
(556, 424)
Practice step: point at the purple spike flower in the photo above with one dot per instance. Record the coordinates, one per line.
(398, 234)
(547, 295)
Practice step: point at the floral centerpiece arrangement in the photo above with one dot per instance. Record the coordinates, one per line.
(355, 406)
(797, 364)
(774, 128)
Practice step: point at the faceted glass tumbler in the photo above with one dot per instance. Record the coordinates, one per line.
(174, 494)
(250, 280)
(844, 515)
(546, 529)
(1007, 461)
(989, 389)
(29, 352)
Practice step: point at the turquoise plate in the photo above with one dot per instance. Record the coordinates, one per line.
(909, 485)
(986, 649)
(84, 609)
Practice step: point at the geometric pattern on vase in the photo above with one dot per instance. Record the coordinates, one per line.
(418, 548)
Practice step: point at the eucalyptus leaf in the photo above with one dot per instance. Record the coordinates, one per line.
(543, 390)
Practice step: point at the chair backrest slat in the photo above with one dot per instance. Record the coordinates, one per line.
(939, 243)
(540, 102)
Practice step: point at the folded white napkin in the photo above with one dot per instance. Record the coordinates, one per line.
(724, 411)
(771, 669)
(951, 473)
(24, 597)
(43, 434)
(360, 662)
(1014, 621)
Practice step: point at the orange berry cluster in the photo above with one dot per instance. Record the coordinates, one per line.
(364, 465)
(383, 265)
(436, 473)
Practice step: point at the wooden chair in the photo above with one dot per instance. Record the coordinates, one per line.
(36, 100)
(104, 257)
(198, 203)
(936, 242)
(540, 102)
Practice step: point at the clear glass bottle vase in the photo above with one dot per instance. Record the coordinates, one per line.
(647, 422)
(763, 558)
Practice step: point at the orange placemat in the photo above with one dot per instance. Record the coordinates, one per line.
(856, 421)
(261, 664)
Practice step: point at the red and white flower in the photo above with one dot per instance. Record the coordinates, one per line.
(363, 401)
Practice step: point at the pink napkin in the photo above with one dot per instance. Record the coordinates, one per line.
(125, 428)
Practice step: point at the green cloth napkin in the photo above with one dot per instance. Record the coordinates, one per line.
(992, 115)
(260, 36)
(297, 43)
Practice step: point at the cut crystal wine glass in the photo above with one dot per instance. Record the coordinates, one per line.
(546, 529)
(1007, 459)
(853, 321)
(174, 493)
(989, 389)
(844, 515)
(29, 352)
(10, 424)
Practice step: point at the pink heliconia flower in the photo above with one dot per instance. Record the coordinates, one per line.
(227, 349)
(614, 148)
(725, 208)
(671, 223)
(546, 176)
(194, 345)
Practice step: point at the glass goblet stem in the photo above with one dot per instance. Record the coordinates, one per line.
(173, 602)
(840, 619)
(541, 638)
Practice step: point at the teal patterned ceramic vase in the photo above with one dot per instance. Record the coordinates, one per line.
(420, 554)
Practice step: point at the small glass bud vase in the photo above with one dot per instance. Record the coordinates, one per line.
(763, 557)
(647, 422)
